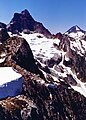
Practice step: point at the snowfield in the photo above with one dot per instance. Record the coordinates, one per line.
(10, 82)
(76, 35)
(41, 46)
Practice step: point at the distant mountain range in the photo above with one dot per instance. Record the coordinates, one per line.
(24, 22)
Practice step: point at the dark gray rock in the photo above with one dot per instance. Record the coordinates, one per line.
(23, 21)
(3, 33)
(18, 49)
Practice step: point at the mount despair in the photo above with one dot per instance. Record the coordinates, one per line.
(23, 22)
(53, 68)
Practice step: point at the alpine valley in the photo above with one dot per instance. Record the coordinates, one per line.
(47, 72)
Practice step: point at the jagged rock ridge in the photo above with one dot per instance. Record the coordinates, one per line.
(23, 22)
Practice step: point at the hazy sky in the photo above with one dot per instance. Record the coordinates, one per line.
(56, 15)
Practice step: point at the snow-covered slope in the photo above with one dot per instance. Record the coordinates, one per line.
(10, 82)
(50, 55)
(42, 47)
(78, 45)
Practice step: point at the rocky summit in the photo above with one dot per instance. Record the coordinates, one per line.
(24, 22)
(53, 70)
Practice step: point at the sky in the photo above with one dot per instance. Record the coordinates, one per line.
(56, 15)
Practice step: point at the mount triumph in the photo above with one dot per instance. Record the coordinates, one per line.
(53, 68)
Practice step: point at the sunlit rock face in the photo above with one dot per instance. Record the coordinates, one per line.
(10, 82)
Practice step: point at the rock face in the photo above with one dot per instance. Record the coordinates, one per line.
(56, 103)
(2, 25)
(3, 33)
(58, 35)
(23, 22)
(75, 55)
(18, 50)
(17, 108)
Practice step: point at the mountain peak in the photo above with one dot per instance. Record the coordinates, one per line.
(75, 29)
(25, 12)
(75, 32)
(24, 22)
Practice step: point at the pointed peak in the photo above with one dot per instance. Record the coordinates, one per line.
(75, 29)
(25, 12)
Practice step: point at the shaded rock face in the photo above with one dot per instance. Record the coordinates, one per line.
(24, 57)
(17, 49)
(56, 103)
(24, 22)
(77, 59)
(75, 29)
(58, 35)
(2, 25)
(3, 33)
(79, 66)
